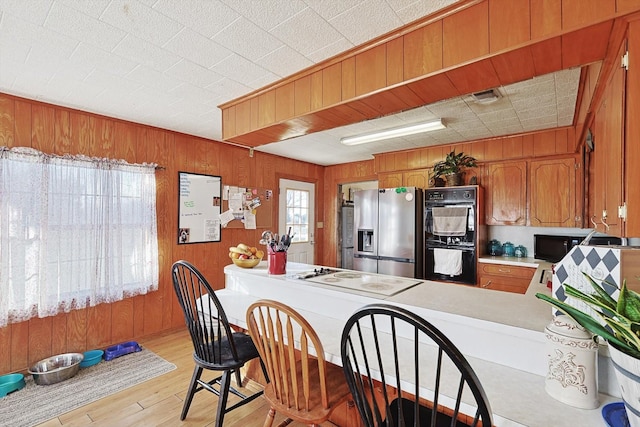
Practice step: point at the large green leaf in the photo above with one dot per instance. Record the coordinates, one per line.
(600, 291)
(629, 303)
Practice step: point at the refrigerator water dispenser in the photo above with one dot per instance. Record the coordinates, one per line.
(365, 240)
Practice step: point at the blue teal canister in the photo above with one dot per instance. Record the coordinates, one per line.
(494, 247)
(520, 251)
(508, 249)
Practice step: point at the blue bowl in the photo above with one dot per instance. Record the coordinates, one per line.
(10, 383)
(91, 357)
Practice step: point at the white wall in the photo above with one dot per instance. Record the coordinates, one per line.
(350, 188)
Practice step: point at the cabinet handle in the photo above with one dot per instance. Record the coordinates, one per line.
(487, 284)
(604, 222)
(593, 221)
(505, 270)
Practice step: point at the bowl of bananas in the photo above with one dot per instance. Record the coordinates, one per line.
(245, 256)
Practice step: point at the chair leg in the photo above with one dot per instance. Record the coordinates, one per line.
(191, 391)
(222, 399)
(238, 378)
(268, 422)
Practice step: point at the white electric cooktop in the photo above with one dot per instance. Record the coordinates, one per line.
(364, 282)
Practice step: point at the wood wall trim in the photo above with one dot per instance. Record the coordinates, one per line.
(489, 51)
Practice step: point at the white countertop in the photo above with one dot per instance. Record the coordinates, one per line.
(500, 333)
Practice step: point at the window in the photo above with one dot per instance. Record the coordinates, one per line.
(75, 232)
(298, 214)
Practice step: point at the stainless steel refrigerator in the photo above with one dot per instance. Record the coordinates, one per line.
(389, 231)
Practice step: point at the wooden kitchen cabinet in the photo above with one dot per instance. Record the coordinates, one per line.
(504, 277)
(418, 178)
(552, 193)
(390, 180)
(506, 193)
(606, 188)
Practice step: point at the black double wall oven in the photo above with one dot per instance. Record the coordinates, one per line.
(451, 234)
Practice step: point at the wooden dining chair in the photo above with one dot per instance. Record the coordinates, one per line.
(216, 346)
(383, 347)
(303, 386)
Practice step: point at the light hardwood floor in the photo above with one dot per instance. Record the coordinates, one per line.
(158, 402)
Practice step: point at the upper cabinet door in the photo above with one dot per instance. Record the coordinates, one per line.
(552, 185)
(506, 193)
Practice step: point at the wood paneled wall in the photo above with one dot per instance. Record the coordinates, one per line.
(53, 129)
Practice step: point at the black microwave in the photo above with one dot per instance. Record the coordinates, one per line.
(554, 248)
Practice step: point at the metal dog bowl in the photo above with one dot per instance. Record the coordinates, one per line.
(56, 368)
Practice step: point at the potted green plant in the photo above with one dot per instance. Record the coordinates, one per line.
(618, 323)
(453, 166)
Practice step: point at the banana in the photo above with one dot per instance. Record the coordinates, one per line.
(239, 250)
(243, 246)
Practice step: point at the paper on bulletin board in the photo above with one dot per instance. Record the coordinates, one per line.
(226, 217)
(249, 220)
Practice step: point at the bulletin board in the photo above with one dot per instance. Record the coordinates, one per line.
(247, 207)
(199, 208)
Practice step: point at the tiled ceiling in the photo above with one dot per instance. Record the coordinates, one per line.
(170, 63)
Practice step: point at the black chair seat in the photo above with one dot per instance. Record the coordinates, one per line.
(401, 413)
(245, 350)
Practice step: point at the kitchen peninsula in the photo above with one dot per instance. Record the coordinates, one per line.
(500, 333)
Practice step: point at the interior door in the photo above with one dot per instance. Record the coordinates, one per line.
(296, 212)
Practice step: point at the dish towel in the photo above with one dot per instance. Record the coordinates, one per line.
(450, 221)
(447, 261)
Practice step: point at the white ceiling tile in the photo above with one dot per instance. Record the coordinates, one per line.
(239, 68)
(146, 53)
(151, 78)
(93, 8)
(39, 39)
(228, 89)
(31, 11)
(186, 90)
(90, 56)
(79, 26)
(205, 17)
(247, 39)
(266, 15)
(306, 32)
(197, 48)
(195, 74)
(331, 9)
(377, 14)
(110, 81)
(284, 61)
(141, 20)
(410, 10)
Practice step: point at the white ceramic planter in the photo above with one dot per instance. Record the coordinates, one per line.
(627, 370)
(572, 354)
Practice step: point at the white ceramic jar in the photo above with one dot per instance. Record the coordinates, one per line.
(572, 354)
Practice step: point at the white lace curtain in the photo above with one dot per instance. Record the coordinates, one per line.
(74, 232)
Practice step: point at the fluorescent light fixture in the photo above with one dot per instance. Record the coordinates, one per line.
(394, 132)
